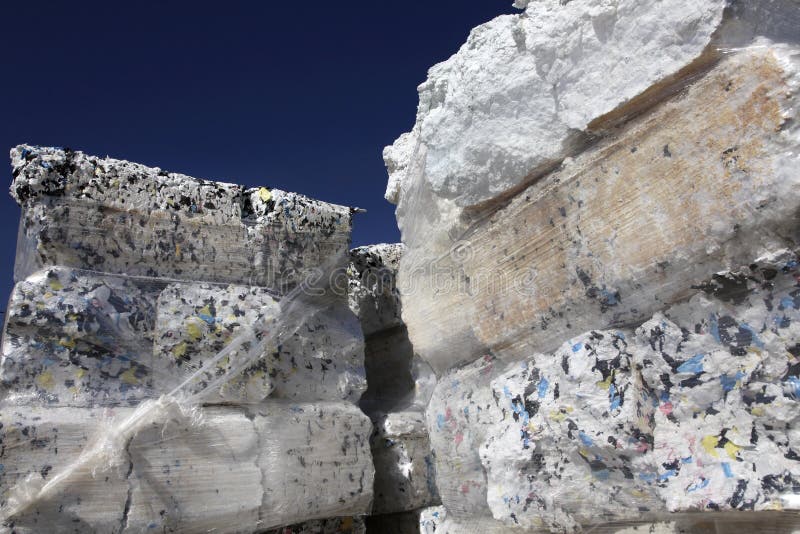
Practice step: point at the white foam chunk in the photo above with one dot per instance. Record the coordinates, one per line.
(511, 98)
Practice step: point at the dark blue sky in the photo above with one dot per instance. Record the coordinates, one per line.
(301, 96)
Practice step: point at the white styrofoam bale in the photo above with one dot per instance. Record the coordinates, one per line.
(695, 410)
(196, 477)
(405, 477)
(79, 338)
(372, 290)
(315, 460)
(322, 359)
(124, 218)
(514, 95)
(35, 443)
(599, 242)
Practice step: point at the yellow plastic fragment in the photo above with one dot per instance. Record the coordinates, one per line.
(709, 444)
(732, 449)
(46, 380)
(129, 377)
(193, 329)
(775, 505)
(264, 194)
(605, 384)
(179, 350)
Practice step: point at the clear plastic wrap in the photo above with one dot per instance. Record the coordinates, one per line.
(609, 306)
(177, 354)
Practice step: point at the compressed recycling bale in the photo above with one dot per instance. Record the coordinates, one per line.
(694, 410)
(78, 338)
(584, 449)
(705, 181)
(396, 379)
(196, 477)
(405, 477)
(34, 444)
(120, 217)
(230, 471)
(321, 360)
(530, 227)
(129, 281)
(87, 339)
(315, 460)
(435, 520)
(372, 290)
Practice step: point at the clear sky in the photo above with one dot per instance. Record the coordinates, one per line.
(302, 96)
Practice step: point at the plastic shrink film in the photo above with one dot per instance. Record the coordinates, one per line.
(598, 203)
(177, 356)
(399, 387)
